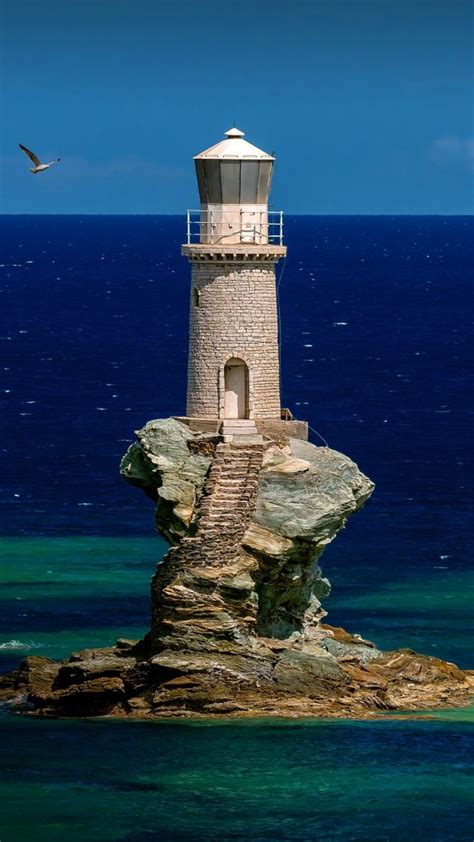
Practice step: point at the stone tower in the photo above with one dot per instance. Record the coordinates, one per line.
(233, 244)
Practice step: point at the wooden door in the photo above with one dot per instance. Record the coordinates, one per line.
(235, 375)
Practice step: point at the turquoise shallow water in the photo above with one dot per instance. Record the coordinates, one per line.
(259, 780)
(64, 594)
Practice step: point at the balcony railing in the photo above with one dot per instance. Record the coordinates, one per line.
(230, 227)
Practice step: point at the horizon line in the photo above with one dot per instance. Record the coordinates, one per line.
(287, 214)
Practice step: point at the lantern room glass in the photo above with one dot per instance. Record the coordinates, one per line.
(212, 172)
(234, 182)
(249, 183)
(230, 182)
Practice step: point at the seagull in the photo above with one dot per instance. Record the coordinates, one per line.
(38, 166)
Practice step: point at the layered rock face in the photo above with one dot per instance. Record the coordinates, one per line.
(236, 624)
(249, 523)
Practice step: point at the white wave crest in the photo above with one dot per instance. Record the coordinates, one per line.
(18, 644)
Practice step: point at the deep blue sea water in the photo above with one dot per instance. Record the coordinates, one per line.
(376, 354)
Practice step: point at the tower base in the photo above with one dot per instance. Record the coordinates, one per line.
(272, 428)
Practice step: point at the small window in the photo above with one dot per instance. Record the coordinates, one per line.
(196, 296)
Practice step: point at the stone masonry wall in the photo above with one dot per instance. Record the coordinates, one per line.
(233, 313)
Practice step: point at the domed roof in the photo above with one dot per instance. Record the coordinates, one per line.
(234, 148)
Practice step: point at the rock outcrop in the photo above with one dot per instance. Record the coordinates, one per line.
(248, 524)
(236, 625)
(274, 679)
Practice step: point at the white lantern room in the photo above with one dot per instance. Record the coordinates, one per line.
(234, 183)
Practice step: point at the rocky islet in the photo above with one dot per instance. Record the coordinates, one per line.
(237, 624)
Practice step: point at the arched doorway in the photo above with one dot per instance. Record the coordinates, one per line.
(236, 384)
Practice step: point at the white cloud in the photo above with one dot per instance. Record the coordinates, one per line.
(453, 149)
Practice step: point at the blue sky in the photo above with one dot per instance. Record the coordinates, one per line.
(368, 103)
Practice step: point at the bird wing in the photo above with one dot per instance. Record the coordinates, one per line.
(31, 155)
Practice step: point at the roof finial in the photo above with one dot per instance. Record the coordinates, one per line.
(234, 132)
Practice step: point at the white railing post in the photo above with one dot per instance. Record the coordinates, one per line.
(188, 226)
(281, 228)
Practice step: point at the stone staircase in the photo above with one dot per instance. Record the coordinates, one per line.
(240, 430)
(188, 602)
(230, 491)
(226, 505)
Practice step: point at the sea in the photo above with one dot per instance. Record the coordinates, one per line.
(376, 348)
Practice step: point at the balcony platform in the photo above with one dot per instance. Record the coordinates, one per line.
(218, 252)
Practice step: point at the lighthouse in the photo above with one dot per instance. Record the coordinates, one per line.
(234, 243)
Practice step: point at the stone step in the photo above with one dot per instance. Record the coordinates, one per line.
(243, 435)
(228, 493)
(225, 504)
(244, 425)
(228, 504)
(229, 509)
(233, 487)
(227, 515)
(224, 514)
(232, 482)
(229, 466)
(225, 524)
(217, 501)
(231, 504)
(238, 422)
(231, 499)
(239, 460)
(254, 439)
(238, 475)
